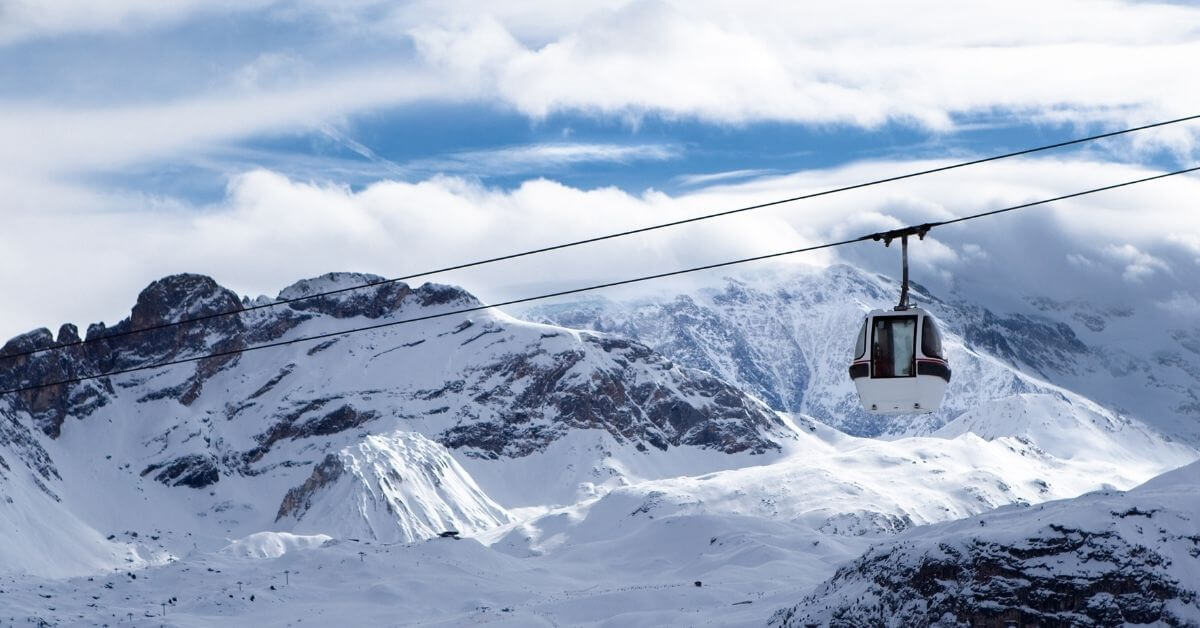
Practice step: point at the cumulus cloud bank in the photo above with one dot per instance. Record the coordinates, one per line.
(808, 62)
(271, 230)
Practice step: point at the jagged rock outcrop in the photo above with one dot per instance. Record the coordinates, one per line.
(298, 500)
(18, 440)
(194, 471)
(108, 349)
(382, 299)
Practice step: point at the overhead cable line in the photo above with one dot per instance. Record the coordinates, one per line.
(611, 284)
(610, 236)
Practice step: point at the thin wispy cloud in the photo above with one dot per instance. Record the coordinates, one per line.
(728, 175)
(525, 159)
(24, 20)
(362, 150)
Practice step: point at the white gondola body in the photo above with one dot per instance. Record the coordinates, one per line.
(899, 365)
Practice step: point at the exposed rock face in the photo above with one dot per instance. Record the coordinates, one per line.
(164, 301)
(17, 439)
(768, 361)
(1103, 559)
(670, 409)
(193, 471)
(183, 296)
(298, 500)
(376, 302)
(1045, 346)
(866, 522)
(371, 303)
(48, 406)
(294, 425)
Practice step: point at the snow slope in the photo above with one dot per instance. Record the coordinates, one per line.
(757, 538)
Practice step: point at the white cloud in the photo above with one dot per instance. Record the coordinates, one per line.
(520, 159)
(26, 19)
(1182, 304)
(1188, 241)
(270, 68)
(1138, 265)
(806, 62)
(528, 159)
(1080, 261)
(49, 141)
(271, 230)
(1120, 62)
(972, 251)
(715, 177)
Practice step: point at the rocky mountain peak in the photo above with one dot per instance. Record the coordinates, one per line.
(375, 301)
(329, 282)
(67, 334)
(431, 294)
(28, 341)
(181, 296)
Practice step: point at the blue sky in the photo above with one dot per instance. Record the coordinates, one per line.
(266, 140)
(415, 143)
(674, 156)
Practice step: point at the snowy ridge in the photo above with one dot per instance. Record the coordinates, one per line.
(1070, 427)
(1105, 558)
(397, 487)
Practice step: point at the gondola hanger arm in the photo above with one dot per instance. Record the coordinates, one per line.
(887, 236)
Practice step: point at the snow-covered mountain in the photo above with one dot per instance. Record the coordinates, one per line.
(596, 477)
(317, 436)
(785, 334)
(1104, 559)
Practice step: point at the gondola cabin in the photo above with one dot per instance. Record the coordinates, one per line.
(899, 366)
